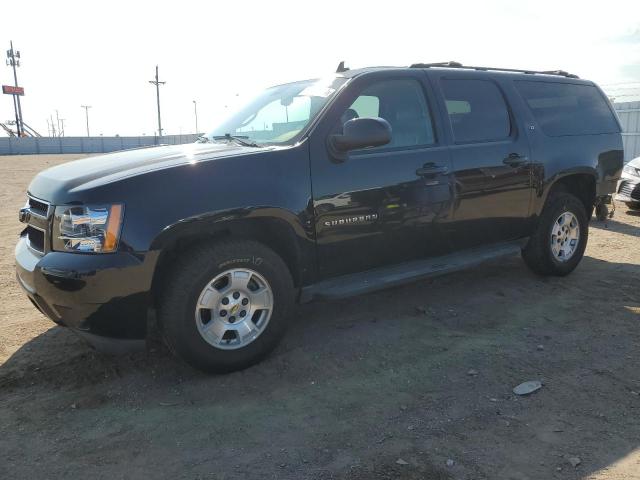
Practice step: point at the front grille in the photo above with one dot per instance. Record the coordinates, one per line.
(37, 214)
(38, 207)
(630, 190)
(35, 238)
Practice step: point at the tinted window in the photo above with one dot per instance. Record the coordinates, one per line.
(402, 104)
(281, 120)
(278, 115)
(568, 108)
(367, 106)
(477, 110)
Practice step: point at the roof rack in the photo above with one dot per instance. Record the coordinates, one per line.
(561, 73)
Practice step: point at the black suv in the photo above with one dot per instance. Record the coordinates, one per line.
(318, 189)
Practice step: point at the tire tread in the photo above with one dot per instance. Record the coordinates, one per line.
(185, 281)
(537, 253)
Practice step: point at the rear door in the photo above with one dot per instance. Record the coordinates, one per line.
(490, 159)
(382, 205)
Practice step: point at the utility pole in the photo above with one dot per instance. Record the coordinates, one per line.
(195, 111)
(86, 112)
(157, 83)
(58, 123)
(13, 60)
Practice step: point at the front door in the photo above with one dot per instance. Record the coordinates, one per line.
(381, 205)
(490, 157)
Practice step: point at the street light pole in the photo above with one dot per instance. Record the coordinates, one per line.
(86, 112)
(195, 111)
(157, 83)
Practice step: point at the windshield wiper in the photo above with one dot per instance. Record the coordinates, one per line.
(240, 139)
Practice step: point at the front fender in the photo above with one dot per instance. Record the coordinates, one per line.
(285, 232)
(232, 219)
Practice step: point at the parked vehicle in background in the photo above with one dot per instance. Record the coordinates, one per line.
(319, 189)
(629, 185)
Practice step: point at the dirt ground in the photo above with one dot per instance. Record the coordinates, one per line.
(410, 383)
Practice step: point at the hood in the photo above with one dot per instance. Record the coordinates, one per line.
(91, 172)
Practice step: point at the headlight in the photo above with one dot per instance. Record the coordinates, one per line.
(89, 229)
(631, 170)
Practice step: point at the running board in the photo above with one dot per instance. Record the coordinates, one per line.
(394, 275)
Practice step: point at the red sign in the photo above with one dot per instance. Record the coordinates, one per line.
(10, 90)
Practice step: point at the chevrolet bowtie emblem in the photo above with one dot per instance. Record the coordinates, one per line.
(235, 309)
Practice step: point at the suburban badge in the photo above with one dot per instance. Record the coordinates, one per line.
(356, 219)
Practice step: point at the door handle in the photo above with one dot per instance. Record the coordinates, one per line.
(431, 170)
(515, 160)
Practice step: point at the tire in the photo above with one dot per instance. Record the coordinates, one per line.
(191, 282)
(539, 254)
(633, 205)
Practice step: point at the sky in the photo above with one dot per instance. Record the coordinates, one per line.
(103, 53)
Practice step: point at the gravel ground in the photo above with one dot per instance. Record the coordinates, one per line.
(411, 383)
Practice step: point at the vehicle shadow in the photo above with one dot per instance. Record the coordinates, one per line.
(617, 226)
(421, 373)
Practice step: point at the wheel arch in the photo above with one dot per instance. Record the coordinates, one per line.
(579, 182)
(275, 228)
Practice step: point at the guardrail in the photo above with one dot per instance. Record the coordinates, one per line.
(47, 145)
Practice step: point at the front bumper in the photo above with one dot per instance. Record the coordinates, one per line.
(104, 298)
(628, 189)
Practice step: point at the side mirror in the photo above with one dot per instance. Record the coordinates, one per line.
(360, 133)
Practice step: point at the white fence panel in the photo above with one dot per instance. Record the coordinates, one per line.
(44, 145)
(629, 114)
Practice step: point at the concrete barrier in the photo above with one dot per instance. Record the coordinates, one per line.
(42, 145)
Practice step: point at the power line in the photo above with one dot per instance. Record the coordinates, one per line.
(617, 89)
(627, 95)
(619, 83)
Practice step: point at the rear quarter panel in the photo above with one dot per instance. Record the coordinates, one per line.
(555, 157)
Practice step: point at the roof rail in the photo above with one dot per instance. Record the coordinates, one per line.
(561, 73)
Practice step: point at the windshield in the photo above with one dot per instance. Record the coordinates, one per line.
(279, 114)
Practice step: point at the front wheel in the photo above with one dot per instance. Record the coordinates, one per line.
(558, 244)
(633, 205)
(226, 305)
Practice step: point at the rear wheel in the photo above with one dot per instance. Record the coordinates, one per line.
(558, 244)
(226, 305)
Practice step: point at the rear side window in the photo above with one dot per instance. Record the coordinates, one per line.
(477, 110)
(568, 108)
